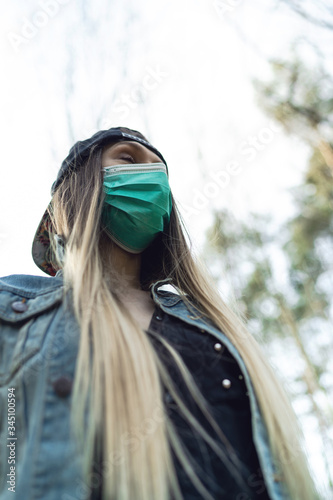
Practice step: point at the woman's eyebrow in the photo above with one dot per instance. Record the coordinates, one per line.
(132, 143)
(127, 143)
(137, 146)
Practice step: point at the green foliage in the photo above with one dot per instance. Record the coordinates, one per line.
(297, 95)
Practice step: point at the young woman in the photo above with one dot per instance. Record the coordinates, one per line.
(125, 390)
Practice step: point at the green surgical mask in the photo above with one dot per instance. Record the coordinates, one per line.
(137, 204)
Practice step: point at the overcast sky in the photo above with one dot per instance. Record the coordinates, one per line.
(178, 71)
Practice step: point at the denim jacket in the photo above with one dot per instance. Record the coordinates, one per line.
(39, 340)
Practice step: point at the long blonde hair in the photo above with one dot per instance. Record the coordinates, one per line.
(117, 411)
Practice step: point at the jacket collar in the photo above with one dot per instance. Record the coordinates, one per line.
(39, 293)
(164, 297)
(23, 296)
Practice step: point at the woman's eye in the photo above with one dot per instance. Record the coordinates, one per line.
(127, 158)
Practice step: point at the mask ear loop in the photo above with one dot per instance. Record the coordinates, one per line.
(59, 248)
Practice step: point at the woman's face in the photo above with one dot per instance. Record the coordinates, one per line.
(127, 152)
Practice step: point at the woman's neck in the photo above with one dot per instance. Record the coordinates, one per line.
(123, 270)
(123, 267)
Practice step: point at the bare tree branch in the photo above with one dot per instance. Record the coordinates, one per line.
(323, 23)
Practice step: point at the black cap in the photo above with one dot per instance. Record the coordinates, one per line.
(81, 149)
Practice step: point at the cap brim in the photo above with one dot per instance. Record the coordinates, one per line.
(41, 247)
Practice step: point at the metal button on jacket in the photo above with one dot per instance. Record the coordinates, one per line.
(226, 383)
(218, 346)
(62, 386)
(19, 306)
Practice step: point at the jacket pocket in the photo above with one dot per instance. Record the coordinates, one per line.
(19, 343)
(23, 327)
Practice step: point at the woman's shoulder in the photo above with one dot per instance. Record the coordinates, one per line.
(181, 305)
(29, 284)
(23, 296)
